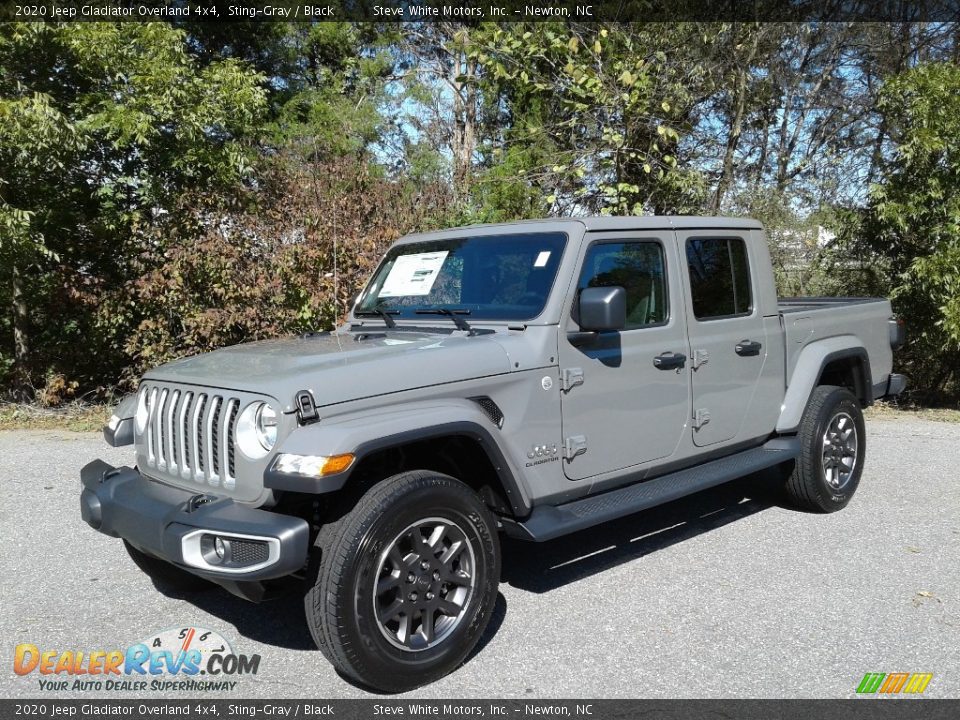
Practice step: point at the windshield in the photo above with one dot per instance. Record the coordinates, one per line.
(498, 277)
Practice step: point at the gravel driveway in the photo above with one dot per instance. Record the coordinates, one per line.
(726, 594)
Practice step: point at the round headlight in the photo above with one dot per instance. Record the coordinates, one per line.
(267, 426)
(257, 430)
(143, 412)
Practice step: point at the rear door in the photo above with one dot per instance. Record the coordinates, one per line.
(619, 409)
(728, 342)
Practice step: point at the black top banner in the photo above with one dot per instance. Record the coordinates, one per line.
(482, 10)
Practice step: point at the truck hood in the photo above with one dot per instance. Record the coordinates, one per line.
(337, 367)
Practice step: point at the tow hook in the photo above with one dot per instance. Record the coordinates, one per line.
(107, 474)
(197, 500)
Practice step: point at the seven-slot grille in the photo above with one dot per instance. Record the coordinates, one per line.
(191, 434)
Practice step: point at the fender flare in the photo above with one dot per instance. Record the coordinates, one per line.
(806, 375)
(372, 431)
(119, 430)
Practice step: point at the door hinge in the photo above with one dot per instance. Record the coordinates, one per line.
(573, 446)
(570, 378)
(700, 357)
(700, 418)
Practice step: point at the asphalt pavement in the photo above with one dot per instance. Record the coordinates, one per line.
(726, 594)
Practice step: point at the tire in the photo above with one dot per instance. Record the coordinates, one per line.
(832, 449)
(381, 574)
(165, 576)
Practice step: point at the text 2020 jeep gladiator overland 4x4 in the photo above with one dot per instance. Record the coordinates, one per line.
(535, 378)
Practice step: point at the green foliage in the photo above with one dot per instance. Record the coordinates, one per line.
(103, 127)
(599, 112)
(913, 223)
(328, 103)
(36, 142)
(171, 188)
(504, 193)
(291, 262)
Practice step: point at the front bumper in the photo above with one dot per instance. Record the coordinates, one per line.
(169, 523)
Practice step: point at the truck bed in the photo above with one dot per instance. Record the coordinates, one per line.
(805, 304)
(863, 320)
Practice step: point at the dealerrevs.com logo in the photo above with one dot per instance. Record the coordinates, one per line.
(188, 659)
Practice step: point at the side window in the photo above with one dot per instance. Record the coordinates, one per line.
(637, 267)
(719, 277)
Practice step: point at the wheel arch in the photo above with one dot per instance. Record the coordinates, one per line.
(465, 450)
(841, 361)
(455, 439)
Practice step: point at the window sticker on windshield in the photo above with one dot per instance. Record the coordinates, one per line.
(413, 274)
(542, 259)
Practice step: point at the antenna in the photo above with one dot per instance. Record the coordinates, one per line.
(336, 273)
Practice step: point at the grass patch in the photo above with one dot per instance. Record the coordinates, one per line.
(886, 411)
(76, 416)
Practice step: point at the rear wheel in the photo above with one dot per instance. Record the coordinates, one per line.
(832, 448)
(406, 581)
(164, 575)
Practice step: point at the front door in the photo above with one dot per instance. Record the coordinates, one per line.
(728, 342)
(625, 394)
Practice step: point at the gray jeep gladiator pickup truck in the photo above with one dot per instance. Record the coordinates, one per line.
(534, 378)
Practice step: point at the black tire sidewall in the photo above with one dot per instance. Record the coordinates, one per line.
(376, 657)
(839, 400)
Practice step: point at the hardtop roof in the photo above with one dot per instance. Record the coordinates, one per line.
(602, 223)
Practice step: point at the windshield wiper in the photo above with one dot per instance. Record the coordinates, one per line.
(380, 313)
(454, 315)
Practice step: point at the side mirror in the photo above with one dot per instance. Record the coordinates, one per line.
(603, 308)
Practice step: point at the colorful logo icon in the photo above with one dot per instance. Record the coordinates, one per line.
(894, 683)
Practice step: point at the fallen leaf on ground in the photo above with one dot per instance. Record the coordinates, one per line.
(924, 595)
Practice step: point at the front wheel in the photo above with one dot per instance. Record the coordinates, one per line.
(832, 448)
(406, 581)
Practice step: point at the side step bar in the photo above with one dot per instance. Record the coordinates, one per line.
(550, 521)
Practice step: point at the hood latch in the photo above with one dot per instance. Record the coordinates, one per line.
(306, 408)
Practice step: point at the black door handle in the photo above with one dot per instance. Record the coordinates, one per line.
(745, 348)
(669, 361)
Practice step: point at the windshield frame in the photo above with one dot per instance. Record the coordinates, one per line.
(559, 242)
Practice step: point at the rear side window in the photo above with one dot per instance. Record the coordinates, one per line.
(638, 268)
(719, 277)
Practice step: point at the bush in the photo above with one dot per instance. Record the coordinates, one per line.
(288, 264)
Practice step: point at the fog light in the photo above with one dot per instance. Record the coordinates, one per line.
(229, 553)
(216, 551)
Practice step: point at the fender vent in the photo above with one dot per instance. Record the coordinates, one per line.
(490, 409)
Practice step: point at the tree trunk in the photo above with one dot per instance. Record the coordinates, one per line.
(21, 388)
(464, 124)
(733, 139)
(469, 125)
(876, 155)
(764, 151)
(736, 120)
